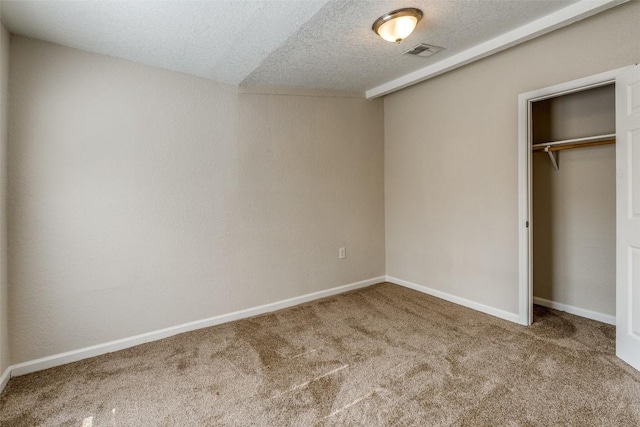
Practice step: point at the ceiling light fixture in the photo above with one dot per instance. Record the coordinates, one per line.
(396, 26)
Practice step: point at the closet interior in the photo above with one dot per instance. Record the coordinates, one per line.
(574, 202)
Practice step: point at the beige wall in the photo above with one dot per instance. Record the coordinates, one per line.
(576, 115)
(141, 199)
(451, 172)
(4, 284)
(574, 208)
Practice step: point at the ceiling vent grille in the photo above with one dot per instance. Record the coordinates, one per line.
(424, 50)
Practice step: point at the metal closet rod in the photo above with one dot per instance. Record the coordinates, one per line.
(567, 144)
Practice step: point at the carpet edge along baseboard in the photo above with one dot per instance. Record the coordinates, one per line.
(124, 343)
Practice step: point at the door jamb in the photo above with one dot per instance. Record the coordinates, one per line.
(525, 223)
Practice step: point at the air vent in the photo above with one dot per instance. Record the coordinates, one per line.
(424, 50)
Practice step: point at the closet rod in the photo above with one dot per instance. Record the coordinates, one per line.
(538, 147)
(575, 142)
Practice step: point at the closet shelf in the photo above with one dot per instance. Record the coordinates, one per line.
(567, 144)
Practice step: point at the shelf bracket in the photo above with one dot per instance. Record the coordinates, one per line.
(552, 157)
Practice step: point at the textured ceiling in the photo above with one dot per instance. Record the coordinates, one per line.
(224, 40)
(336, 49)
(325, 44)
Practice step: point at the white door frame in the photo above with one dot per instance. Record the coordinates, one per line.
(525, 224)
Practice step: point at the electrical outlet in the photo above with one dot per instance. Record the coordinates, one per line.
(342, 253)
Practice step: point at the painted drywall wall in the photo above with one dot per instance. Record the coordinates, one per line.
(4, 278)
(451, 170)
(141, 198)
(574, 208)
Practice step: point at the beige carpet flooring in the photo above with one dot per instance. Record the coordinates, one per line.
(380, 356)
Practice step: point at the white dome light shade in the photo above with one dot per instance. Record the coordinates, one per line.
(397, 25)
(397, 29)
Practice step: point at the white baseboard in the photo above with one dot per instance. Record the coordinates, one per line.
(109, 347)
(4, 379)
(512, 317)
(589, 314)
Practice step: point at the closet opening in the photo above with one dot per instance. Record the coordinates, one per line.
(573, 203)
(579, 202)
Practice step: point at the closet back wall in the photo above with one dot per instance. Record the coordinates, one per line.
(141, 198)
(574, 209)
(451, 157)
